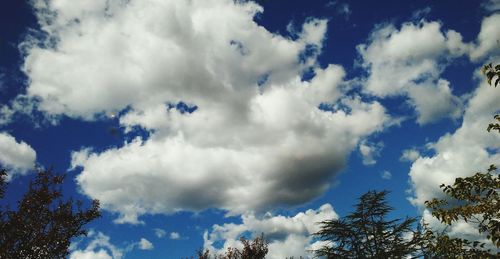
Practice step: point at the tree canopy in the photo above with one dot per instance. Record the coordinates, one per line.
(254, 249)
(44, 222)
(474, 199)
(367, 233)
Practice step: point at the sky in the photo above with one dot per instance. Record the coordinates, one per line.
(197, 122)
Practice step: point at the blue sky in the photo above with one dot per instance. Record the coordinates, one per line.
(197, 122)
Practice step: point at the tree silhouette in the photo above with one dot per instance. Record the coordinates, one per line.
(366, 233)
(44, 223)
(255, 249)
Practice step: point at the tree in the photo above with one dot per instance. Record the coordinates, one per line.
(366, 233)
(478, 202)
(492, 73)
(440, 245)
(255, 249)
(44, 223)
(472, 199)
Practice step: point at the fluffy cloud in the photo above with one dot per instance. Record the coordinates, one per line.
(287, 236)
(468, 149)
(409, 155)
(461, 153)
(442, 104)
(160, 233)
(370, 152)
(408, 61)
(458, 154)
(144, 244)
(488, 40)
(386, 175)
(17, 156)
(231, 123)
(99, 248)
(145, 53)
(175, 236)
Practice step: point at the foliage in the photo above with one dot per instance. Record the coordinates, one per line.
(44, 223)
(492, 72)
(494, 125)
(256, 249)
(473, 199)
(439, 245)
(477, 200)
(366, 233)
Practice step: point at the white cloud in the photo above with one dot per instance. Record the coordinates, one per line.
(409, 61)
(386, 175)
(285, 154)
(178, 51)
(488, 40)
(459, 154)
(144, 244)
(434, 101)
(257, 139)
(458, 229)
(101, 254)
(175, 236)
(468, 149)
(287, 236)
(409, 155)
(370, 151)
(99, 248)
(160, 233)
(19, 157)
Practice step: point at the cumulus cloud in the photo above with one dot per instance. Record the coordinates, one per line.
(101, 254)
(144, 244)
(231, 123)
(434, 101)
(386, 175)
(370, 151)
(461, 153)
(287, 236)
(488, 40)
(410, 155)
(160, 233)
(175, 236)
(99, 248)
(19, 157)
(409, 61)
(465, 151)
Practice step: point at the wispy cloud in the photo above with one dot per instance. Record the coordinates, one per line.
(160, 233)
(386, 175)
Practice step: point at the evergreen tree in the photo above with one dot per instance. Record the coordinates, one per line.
(366, 232)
